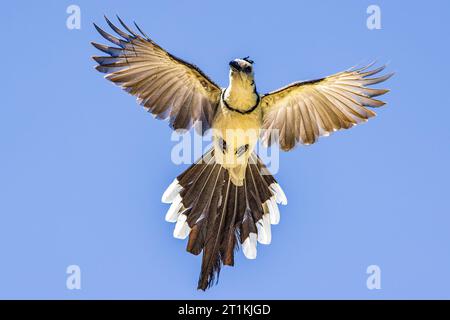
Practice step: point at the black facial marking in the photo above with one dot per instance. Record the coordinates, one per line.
(235, 65)
(247, 69)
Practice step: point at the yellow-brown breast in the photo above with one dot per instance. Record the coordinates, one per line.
(235, 136)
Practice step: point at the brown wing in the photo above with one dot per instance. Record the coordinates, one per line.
(164, 84)
(303, 111)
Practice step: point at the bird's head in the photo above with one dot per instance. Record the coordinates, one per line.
(241, 70)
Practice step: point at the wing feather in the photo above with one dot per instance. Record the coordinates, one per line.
(165, 85)
(304, 111)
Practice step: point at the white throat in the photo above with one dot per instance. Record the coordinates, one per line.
(240, 94)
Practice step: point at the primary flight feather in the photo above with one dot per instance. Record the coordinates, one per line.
(228, 197)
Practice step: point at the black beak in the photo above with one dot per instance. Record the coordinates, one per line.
(235, 65)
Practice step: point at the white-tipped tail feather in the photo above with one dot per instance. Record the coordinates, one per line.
(171, 192)
(249, 246)
(274, 213)
(279, 193)
(264, 235)
(174, 210)
(181, 230)
(264, 230)
(206, 196)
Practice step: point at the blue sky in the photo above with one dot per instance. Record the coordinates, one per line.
(82, 167)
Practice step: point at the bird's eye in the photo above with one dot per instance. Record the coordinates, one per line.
(241, 150)
(248, 69)
(222, 145)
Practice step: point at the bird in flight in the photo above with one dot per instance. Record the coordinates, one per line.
(228, 198)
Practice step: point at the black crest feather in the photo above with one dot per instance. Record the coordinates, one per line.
(247, 58)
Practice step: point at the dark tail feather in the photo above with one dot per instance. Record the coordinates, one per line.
(215, 213)
(212, 255)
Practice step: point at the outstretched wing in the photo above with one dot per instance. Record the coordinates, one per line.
(164, 84)
(303, 111)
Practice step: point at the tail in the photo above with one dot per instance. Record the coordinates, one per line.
(217, 215)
